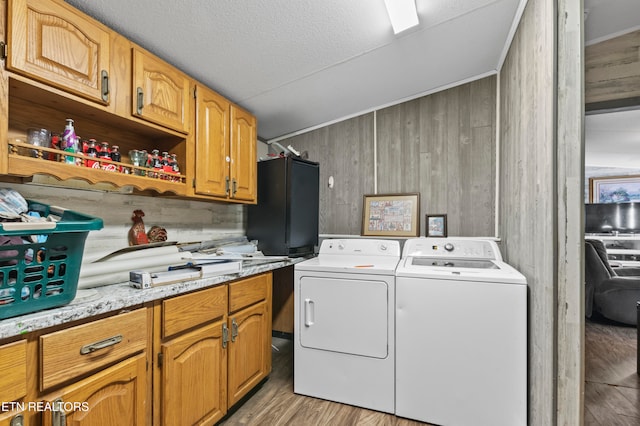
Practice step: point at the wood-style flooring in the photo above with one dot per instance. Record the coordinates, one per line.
(612, 387)
(275, 404)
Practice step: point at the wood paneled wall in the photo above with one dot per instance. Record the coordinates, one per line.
(612, 72)
(345, 152)
(570, 211)
(527, 205)
(441, 145)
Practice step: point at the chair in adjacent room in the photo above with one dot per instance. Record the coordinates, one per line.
(611, 292)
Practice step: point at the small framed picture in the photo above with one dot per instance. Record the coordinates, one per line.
(436, 225)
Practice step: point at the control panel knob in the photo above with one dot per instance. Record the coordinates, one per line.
(448, 247)
(383, 247)
(340, 246)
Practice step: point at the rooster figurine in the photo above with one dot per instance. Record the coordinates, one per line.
(137, 234)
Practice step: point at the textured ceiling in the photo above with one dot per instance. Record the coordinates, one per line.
(296, 64)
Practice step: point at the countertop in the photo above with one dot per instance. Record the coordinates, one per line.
(99, 300)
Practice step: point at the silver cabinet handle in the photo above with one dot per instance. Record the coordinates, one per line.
(225, 335)
(234, 330)
(58, 416)
(140, 100)
(105, 85)
(92, 347)
(17, 420)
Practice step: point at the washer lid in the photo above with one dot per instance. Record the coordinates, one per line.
(456, 247)
(453, 262)
(480, 270)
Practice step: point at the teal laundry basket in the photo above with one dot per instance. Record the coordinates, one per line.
(35, 276)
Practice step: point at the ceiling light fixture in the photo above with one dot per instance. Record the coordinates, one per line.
(402, 13)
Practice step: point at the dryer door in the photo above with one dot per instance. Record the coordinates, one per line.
(344, 315)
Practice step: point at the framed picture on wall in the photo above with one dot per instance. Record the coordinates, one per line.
(614, 189)
(391, 215)
(436, 225)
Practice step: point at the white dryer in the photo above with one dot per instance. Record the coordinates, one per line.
(461, 334)
(344, 323)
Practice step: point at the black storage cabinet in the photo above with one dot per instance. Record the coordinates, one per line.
(285, 220)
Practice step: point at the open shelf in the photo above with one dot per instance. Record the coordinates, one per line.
(34, 105)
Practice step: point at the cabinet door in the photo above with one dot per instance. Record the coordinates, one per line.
(13, 370)
(114, 396)
(212, 143)
(13, 389)
(243, 155)
(249, 350)
(160, 92)
(55, 43)
(194, 376)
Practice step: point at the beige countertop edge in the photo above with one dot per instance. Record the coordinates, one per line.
(99, 300)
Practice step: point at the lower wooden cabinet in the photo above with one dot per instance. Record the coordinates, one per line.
(13, 370)
(208, 362)
(194, 376)
(13, 383)
(114, 396)
(180, 361)
(249, 350)
(250, 342)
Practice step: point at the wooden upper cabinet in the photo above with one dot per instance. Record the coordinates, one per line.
(212, 147)
(225, 148)
(243, 166)
(52, 42)
(161, 92)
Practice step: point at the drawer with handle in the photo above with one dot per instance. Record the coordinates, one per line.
(193, 309)
(72, 352)
(248, 291)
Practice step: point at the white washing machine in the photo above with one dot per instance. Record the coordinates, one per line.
(344, 323)
(461, 334)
